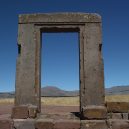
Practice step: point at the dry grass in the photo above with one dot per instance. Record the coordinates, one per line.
(63, 101)
(117, 98)
(7, 101)
(70, 101)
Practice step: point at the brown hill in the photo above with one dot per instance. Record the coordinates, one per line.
(54, 91)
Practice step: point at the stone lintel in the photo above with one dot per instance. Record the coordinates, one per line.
(59, 18)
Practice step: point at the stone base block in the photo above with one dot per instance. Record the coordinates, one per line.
(94, 112)
(119, 124)
(24, 124)
(24, 112)
(118, 107)
(125, 116)
(32, 111)
(116, 116)
(20, 112)
(67, 124)
(44, 124)
(93, 124)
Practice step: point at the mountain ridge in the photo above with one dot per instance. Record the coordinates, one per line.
(55, 92)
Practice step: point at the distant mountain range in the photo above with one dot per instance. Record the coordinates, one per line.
(7, 95)
(117, 90)
(55, 91)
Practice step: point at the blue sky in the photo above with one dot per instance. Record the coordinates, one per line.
(115, 19)
(60, 60)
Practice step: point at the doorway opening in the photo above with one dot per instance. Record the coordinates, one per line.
(60, 75)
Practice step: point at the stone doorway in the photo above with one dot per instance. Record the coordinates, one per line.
(28, 76)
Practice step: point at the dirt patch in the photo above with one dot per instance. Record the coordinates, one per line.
(7, 108)
(59, 109)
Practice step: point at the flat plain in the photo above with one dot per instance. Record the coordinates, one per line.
(58, 104)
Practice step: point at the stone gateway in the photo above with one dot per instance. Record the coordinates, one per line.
(94, 112)
(28, 83)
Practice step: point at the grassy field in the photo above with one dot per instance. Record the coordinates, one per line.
(63, 101)
(7, 101)
(117, 98)
(70, 101)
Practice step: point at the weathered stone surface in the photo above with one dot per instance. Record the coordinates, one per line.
(26, 69)
(60, 18)
(93, 90)
(95, 112)
(118, 107)
(119, 124)
(24, 124)
(32, 111)
(44, 124)
(6, 123)
(59, 116)
(20, 112)
(116, 116)
(67, 124)
(125, 116)
(109, 115)
(93, 124)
